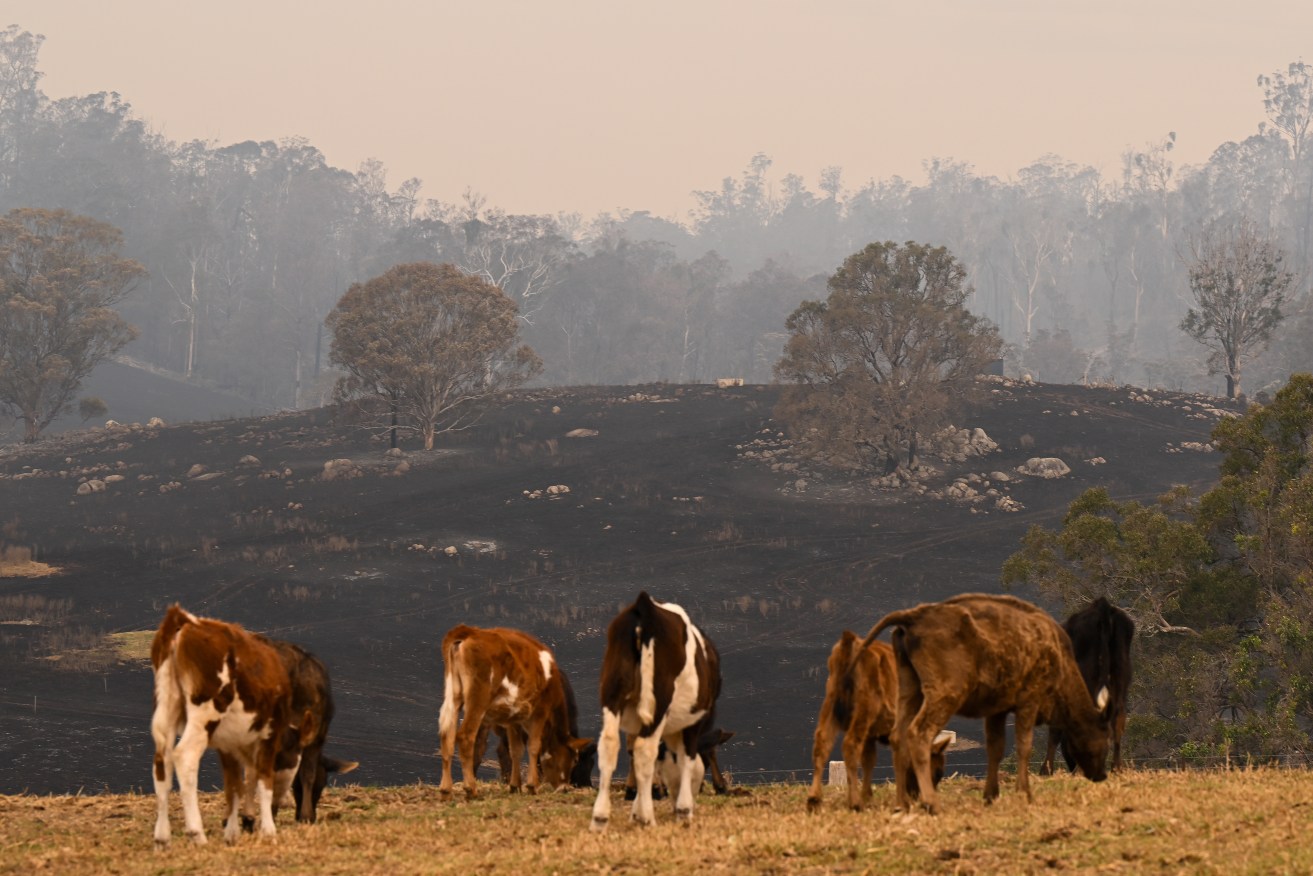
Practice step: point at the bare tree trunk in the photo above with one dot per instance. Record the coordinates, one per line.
(393, 431)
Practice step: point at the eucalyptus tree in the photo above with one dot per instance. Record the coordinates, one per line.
(60, 276)
(1239, 284)
(435, 345)
(886, 358)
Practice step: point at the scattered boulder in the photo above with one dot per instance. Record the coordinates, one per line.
(340, 469)
(95, 485)
(196, 471)
(1044, 467)
(155, 423)
(394, 453)
(249, 461)
(581, 433)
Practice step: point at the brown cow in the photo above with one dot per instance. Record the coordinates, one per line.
(983, 656)
(303, 770)
(861, 695)
(505, 678)
(220, 687)
(660, 679)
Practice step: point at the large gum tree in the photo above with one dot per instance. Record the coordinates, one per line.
(435, 345)
(60, 276)
(885, 358)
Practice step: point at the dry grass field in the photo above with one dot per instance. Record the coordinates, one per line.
(1231, 821)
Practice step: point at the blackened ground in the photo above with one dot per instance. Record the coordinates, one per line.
(356, 569)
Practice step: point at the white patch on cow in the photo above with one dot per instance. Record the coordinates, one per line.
(682, 712)
(1102, 699)
(545, 657)
(608, 752)
(647, 682)
(509, 693)
(447, 714)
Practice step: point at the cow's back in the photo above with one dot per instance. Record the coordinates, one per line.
(995, 648)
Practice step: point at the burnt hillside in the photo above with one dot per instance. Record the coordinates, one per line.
(685, 491)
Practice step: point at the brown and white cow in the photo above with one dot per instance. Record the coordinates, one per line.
(983, 656)
(507, 678)
(660, 680)
(861, 698)
(217, 686)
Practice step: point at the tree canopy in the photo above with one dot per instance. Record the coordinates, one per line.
(889, 354)
(434, 344)
(1239, 285)
(60, 275)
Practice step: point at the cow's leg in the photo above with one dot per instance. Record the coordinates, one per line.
(644, 765)
(822, 745)
(1050, 749)
(234, 790)
(515, 745)
(868, 768)
(1024, 730)
(163, 728)
(608, 751)
(307, 773)
(187, 757)
(447, 721)
(995, 739)
(712, 758)
(266, 756)
(535, 747)
(854, 746)
(476, 706)
(1118, 729)
(688, 773)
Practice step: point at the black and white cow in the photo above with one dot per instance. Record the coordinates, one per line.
(660, 679)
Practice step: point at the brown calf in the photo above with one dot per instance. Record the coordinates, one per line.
(217, 686)
(660, 679)
(303, 769)
(861, 696)
(983, 656)
(505, 678)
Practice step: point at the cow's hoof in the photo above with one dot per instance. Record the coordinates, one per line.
(531, 790)
(248, 824)
(515, 789)
(813, 804)
(684, 815)
(161, 844)
(198, 838)
(471, 794)
(598, 825)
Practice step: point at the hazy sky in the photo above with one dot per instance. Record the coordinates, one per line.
(597, 105)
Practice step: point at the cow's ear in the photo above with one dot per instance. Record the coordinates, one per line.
(1102, 700)
(309, 728)
(725, 736)
(944, 739)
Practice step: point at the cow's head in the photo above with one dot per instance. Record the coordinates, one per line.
(1089, 749)
(562, 759)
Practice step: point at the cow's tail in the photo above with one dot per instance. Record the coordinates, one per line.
(623, 659)
(453, 681)
(893, 619)
(846, 689)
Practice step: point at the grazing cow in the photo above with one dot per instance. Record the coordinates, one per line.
(1101, 637)
(582, 774)
(217, 686)
(305, 768)
(510, 679)
(708, 743)
(861, 696)
(983, 656)
(659, 683)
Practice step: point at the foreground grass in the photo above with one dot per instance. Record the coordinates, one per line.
(1240, 821)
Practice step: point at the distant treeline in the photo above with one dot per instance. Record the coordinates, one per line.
(249, 245)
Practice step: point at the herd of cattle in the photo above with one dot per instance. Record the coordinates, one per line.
(266, 705)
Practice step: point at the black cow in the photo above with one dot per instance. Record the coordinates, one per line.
(1101, 636)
